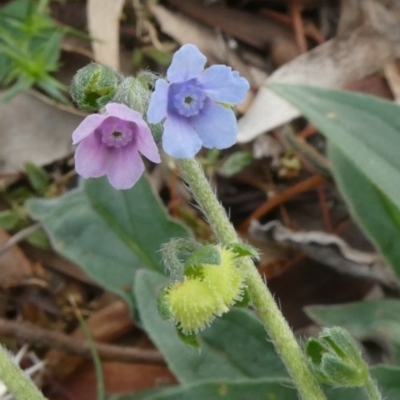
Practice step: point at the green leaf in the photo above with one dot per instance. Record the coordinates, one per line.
(375, 213)
(37, 176)
(208, 254)
(243, 250)
(8, 219)
(109, 233)
(160, 57)
(38, 239)
(268, 389)
(364, 320)
(365, 128)
(265, 389)
(189, 339)
(235, 163)
(234, 347)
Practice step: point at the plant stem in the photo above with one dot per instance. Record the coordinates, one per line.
(371, 389)
(262, 299)
(15, 380)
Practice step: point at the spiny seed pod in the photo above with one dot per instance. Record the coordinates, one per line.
(94, 85)
(211, 283)
(225, 279)
(193, 304)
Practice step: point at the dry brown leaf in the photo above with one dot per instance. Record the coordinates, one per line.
(361, 48)
(14, 266)
(119, 378)
(41, 136)
(103, 24)
(105, 325)
(185, 30)
(330, 250)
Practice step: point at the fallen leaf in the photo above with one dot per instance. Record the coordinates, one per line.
(119, 378)
(34, 130)
(14, 266)
(103, 24)
(331, 250)
(105, 325)
(360, 49)
(185, 30)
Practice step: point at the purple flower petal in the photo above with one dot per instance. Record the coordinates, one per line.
(187, 63)
(123, 112)
(216, 126)
(125, 169)
(180, 139)
(146, 145)
(92, 157)
(158, 102)
(220, 83)
(87, 127)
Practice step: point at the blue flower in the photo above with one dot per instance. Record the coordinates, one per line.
(193, 104)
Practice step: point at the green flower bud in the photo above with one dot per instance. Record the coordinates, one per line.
(134, 93)
(94, 86)
(336, 359)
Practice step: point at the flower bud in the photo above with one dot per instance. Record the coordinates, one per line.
(133, 93)
(94, 86)
(336, 359)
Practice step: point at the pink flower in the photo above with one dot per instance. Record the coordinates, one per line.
(109, 145)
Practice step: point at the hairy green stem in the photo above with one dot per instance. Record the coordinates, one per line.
(20, 385)
(371, 389)
(262, 299)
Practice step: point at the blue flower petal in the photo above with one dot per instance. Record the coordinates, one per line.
(222, 84)
(158, 102)
(216, 125)
(180, 139)
(188, 62)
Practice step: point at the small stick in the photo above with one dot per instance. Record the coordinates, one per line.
(301, 187)
(32, 334)
(298, 26)
(19, 236)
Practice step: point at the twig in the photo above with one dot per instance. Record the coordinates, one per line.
(32, 334)
(19, 236)
(298, 26)
(304, 186)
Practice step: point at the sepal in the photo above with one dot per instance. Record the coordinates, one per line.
(336, 359)
(244, 250)
(190, 339)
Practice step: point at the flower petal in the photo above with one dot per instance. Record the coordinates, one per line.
(158, 102)
(123, 112)
(180, 140)
(87, 127)
(222, 84)
(91, 158)
(216, 126)
(125, 168)
(187, 63)
(146, 145)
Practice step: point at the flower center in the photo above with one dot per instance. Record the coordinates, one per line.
(117, 133)
(188, 99)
